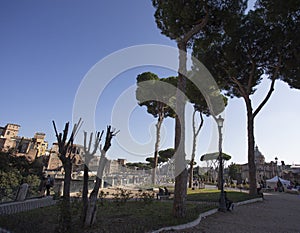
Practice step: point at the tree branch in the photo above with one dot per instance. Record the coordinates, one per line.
(201, 124)
(90, 141)
(97, 141)
(65, 133)
(251, 77)
(84, 142)
(196, 28)
(240, 88)
(109, 135)
(56, 133)
(196, 131)
(271, 89)
(243, 93)
(75, 130)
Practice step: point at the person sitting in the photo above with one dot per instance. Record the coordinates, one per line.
(228, 202)
(160, 193)
(258, 188)
(166, 191)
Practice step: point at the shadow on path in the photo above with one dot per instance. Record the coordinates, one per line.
(279, 212)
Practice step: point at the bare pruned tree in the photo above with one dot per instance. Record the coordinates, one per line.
(91, 211)
(65, 148)
(88, 156)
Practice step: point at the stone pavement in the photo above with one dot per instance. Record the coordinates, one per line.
(279, 212)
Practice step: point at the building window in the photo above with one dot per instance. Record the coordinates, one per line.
(8, 132)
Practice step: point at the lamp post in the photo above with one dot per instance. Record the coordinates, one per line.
(264, 177)
(276, 171)
(222, 204)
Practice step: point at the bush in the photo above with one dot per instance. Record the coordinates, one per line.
(246, 186)
(34, 184)
(122, 195)
(9, 184)
(147, 197)
(239, 186)
(102, 196)
(15, 170)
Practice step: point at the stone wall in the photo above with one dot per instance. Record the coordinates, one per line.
(20, 206)
(75, 186)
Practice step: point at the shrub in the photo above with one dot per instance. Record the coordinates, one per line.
(147, 197)
(102, 196)
(122, 195)
(246, 186)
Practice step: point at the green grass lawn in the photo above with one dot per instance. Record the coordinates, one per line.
(131, 216)
(213, 195)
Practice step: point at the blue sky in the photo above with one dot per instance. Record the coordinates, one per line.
(47, 47)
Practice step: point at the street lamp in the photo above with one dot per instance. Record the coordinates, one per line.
(276, 160)
(222, 204)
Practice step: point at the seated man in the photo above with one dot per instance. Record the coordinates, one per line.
(166, 191)
(258, 188)
(160, 193)
(228, 202)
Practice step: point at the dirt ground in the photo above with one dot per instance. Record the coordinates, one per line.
(279, 212)
(112, 190)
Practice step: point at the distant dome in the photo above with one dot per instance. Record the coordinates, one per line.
(259, 158)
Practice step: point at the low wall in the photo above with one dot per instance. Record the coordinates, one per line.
(75, 185)
(20, 206)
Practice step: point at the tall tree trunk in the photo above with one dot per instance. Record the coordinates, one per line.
(179, 207)
(245, 93)
(156, 149)
(65, 218)
(251, 144)
(85, 189)
(192, 161)
(193, 153)
(65, 147)
(195, 134)
(251, 156)
(88, 155)
(221, 163)
(191, 171)
(91, 211)
(67, 178)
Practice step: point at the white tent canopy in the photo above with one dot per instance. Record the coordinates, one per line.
(272, 183)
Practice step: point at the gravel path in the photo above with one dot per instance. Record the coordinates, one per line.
(278, 213)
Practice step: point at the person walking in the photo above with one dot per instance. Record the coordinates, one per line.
(48, 185)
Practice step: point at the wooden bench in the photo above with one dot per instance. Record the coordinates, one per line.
(266, 190)
(163, 197)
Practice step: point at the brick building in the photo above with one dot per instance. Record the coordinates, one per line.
(264, 170)
(22, 146)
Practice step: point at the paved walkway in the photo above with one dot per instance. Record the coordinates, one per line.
(279, 212)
